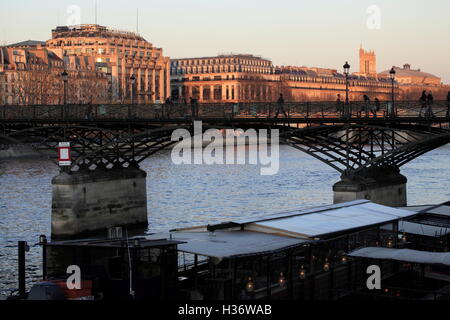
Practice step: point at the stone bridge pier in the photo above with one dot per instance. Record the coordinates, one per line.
(87, 202)
(386, 186)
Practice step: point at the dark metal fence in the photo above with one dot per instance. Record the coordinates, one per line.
(223, 110)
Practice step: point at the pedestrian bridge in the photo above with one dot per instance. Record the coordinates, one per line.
(367, 148)
(121, 135)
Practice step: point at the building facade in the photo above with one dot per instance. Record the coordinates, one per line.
(413, 82)
(367, 63)
(31, 74)
(2, 80)
(320, 84)
(225, 78)
(120, 55)
(248, 78)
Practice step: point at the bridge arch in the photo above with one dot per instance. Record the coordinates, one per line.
(351, 149)
(348, 148)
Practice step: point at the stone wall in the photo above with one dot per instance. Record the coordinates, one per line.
(93, 201)
(380, 186)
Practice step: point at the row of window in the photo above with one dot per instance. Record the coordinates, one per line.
(212, 69)
(291, 78)
(119, 43)
(102, 51)
(202, 62)
(232, 77)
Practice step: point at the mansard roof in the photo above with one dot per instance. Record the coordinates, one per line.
(27, 43)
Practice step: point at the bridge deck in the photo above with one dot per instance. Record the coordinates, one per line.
(262, 120)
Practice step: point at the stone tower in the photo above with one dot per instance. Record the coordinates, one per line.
(367, 63)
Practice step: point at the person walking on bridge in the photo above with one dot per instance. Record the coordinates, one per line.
(448, 105)
(366, 105)
(194, 108)
(339, 106)
(376, 107)
(89, 112)
(423, 103)
(281, 107)
(430, 102)
(167, 108)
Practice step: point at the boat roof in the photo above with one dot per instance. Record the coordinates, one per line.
(317, 223)
(403, 255)
(431, 221)
(422, 229)
(144, 242)
(234, 244)
(441, 210)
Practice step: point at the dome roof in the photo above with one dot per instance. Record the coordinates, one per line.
(406, 71)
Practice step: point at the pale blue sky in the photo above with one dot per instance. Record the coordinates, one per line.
(313, 33)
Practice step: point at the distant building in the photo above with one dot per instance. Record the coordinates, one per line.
(248, 78)
(224, 78)
(367, 63)
(31, 74)
(120, 54)
(413, 82)
(2, 83)
(406, 75)
(320, 84)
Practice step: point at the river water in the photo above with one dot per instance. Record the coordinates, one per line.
(188, 195)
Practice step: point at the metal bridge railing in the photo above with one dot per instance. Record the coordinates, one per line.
(309, 110)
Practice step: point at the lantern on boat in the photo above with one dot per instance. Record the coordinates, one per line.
(326, 266)
(282, 280)
(249, 286)
(302, 273)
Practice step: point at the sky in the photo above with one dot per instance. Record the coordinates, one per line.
(314, 33)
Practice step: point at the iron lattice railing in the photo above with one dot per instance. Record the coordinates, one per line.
(309, 110)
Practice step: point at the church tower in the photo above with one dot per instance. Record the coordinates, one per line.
(367, 63)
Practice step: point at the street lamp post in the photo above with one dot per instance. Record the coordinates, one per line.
(392, 75)
(65, 78)
(347, 104)
(133, 81)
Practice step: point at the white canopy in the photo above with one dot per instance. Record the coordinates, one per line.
(405, 255)
(227, 244)
(442, 210)
(422, 229)
(313, 224)
(316, 222)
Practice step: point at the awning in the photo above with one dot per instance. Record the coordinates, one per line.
(442, 210)
(316, 222)
(404, 255)
(422, 229)
(331, 220)
(232, 244)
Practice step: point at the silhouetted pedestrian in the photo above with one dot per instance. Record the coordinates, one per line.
(280, 107)
(423, 103)
(194, 108)
(448, 105)
(376, 107)
(89, 112)
(184, 108)
(430, 102)
(366, 105)
(339, 106)
(166, 108)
